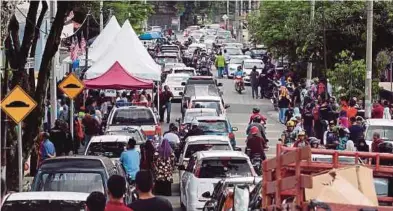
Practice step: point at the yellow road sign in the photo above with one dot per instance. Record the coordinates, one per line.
(71, 86)
(18, 104)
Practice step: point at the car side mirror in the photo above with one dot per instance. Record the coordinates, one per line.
(219, 84)
(181, 168)
(227, 106)
(235, 129)
(206, 194)
(181, 93)
(237, 149)
(183, 83)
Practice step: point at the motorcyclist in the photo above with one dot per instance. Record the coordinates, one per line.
(255, 112)
(255, 144)
(301, 140)
(288, 136)
(195, 130)
(257, 122)
(315, 143)
(239, 71)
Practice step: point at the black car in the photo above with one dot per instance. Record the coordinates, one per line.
(78, 174)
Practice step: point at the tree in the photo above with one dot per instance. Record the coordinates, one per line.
(17, 55)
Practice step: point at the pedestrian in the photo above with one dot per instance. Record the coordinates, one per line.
(47, 148)
(95, 201)
(91, 126)
(59, 136)
(377, 112)
(173, 137)
(356, 130)
(220, 65)
(342, 138)
(68, 144)
(386, 110)
(352, 110)
(78, 134)
(147, 155)
(116, 190)
(363, 146)
(146, 200)
(165, 100)
(308, 120)
(164, 164)
(254, 75)
(343, 119)
(130, 160)
(64, 111)
(376, 141)
(46, 120)
(283, 104)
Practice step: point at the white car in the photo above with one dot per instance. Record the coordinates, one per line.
(184, 70)
(44, 201)
(193, 47)
(214, 102)
(247, 67)
(169, 66)
(174, 82)
(382, 126)
(233, 45)
(205, 169)
(235, 62)
(192, 113)
(112, 146)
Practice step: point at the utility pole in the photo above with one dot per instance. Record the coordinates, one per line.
(226, 22)
(369, 57)
(309, 65)
(101, 16)
(249, 6)
(237, 21)
(87, 38)
(52, 78)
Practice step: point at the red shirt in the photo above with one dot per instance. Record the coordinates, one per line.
(258, 114)
(377, 112)
(116, 206)
(374, 145)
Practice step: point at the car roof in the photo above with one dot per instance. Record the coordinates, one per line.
(47, 195)
(131, 107)
(253, 60)
(178, 75)
(202, 118)
(240, 57)
(183, 68)
(206, 97)
(217, 138)
(379, 122)
(198, 45)
(110, 138)
(220, 153)
(201, 110)
(202, 89)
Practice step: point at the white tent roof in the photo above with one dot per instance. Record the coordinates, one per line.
(104, 39)
(128, 50)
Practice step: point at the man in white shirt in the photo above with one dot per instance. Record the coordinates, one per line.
(172, 136)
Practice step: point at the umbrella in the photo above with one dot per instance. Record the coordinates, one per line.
(150, 36)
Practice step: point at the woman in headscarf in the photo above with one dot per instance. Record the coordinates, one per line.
(163, 168)
(147, 154)
(350, 146)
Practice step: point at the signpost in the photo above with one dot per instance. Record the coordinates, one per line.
(17, 105)
(72, 87)
(225, 18)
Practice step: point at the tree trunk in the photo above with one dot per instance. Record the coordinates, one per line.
(34, 120)
(12, 44)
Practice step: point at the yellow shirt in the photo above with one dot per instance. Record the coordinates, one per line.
(220, 61)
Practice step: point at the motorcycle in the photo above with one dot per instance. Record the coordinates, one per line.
(273, 92)
(256, 161)
(205, 71)
(239, 84)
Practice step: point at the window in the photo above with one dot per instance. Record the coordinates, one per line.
(107, 149)
(193, 148)
(191, 164)
(381, 186)
(189, 116)
(386, 132)
(207, 104)
(84, 182)
(223, 168)
(176, 78)
(43, 205)
(220, 126)
(250, 65)
(190, 72)
(133, 117)
(233, 51)
(258, 51)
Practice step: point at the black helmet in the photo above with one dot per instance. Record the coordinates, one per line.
(257, 119)
(385, 147)
(256, 110)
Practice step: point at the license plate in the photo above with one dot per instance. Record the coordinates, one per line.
(178, 88)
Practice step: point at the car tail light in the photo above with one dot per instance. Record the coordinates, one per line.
(231, 136)
(158, 129)
(197, 170)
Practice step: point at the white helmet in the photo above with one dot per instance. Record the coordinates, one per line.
(194, 122)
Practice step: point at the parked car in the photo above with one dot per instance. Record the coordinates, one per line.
(247, 67)
(382, 126)
(207, 168)
(175, 84)
(218, 125)
(44, 201)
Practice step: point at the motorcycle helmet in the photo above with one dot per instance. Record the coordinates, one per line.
(255, 110)
(254, 130)
(194, 122)
(313, 141)
(257, 119)
(301, 133)
(290, 124)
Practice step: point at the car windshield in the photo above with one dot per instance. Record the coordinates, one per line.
(343, 160)
(189, 116)
(258, 51)
(236, 60)
(210, 37)
(207, 104)
(234, 51)
(193, 148)
(385, 132)
(250, 65)
(84, 182)
(163, 60)
(107, 149)
(215, 126)
(224, 167)
(169, 48)
(133, 117)
(381, 186)
(44, 205)
(176, 79)
(190, 72)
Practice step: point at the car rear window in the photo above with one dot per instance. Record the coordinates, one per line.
(224, 167)
(107, 149)
(44, 205)
(213, 126)
(207, 104)
(133, 117)
(200, 81)
(193, 148)
(190, 72)
(83, 182)
(191, 115)
(386, 132)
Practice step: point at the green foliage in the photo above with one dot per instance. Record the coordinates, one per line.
(348, 76)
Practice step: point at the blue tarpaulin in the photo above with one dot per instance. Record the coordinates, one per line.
(150, 36)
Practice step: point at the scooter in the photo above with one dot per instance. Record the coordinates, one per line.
(239, 84)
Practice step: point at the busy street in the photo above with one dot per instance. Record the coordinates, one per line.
(196, 105)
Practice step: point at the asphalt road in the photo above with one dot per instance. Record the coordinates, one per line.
(239, 113)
